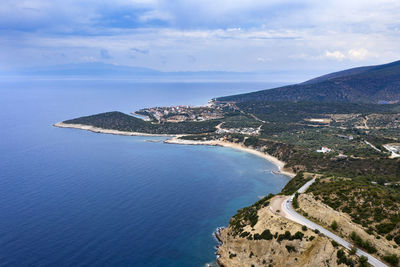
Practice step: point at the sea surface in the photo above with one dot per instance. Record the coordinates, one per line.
(75, 198)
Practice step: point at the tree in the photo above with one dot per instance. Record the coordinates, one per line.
(363, 261)
(294, 202)
(334, 225)
(392, 259)
(353, 250)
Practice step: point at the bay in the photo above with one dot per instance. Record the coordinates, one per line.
(75, 198)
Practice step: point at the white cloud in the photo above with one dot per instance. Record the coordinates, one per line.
(335, 55)
(230, 35)
(352, 54)
(358, 54)
(263, 59)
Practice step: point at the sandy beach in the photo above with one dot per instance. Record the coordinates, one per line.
(274, 160)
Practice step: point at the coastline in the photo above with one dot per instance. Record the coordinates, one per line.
(106, 131)
(268, 157)
(175, 140)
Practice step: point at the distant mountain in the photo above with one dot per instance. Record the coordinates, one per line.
(371, 84)
(86, 69)
(100, 69)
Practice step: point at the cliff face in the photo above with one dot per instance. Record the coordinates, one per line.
(310, 249)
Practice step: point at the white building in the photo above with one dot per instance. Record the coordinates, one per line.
(324, 149)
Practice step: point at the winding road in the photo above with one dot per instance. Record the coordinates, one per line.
(288, 212)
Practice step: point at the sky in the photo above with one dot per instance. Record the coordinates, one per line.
(183, 35)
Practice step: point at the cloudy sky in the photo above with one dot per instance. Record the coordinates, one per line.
(185, 35)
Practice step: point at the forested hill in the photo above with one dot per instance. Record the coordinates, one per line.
(372, 84)
(122, 122)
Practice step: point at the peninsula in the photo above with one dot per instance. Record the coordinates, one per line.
(337, 134)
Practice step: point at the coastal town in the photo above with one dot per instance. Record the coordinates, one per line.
(184, 113)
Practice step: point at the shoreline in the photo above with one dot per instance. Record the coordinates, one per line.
(280, 164)
(174, 140)
(107, 131)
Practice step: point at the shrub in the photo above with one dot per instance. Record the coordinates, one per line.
(294, 184)
(267, 235)
(340, 254)
(304, 228)
(242, 218)
(295, 203)
(290, 248)
(298, 235)
(397, 240)
(363, 261)
(385, 228)
(364, 244)
(251, 141)
(392, 259)
(263, 202)
(288, 236)
(264, 235)
(368, 247)
(244, 234)
(334, 225)
(334, 243)
(343, 259)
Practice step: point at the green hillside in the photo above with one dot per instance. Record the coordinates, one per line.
(123, 122)
(373, 84)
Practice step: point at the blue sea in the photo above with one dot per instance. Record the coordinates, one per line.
(75, 198)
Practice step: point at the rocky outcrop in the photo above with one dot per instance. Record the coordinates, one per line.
(272, 250)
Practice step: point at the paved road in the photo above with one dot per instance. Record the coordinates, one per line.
(292, 215)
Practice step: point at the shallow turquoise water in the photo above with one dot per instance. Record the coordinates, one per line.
(71, 197)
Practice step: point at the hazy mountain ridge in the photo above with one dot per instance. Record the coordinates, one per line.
(100, 68)
(371, 84)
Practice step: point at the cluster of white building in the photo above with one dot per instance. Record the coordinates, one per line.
(184, 113)
(247, 131)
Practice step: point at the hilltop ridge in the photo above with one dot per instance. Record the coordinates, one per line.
(370, 84)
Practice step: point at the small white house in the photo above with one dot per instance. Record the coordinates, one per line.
(324, 149)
